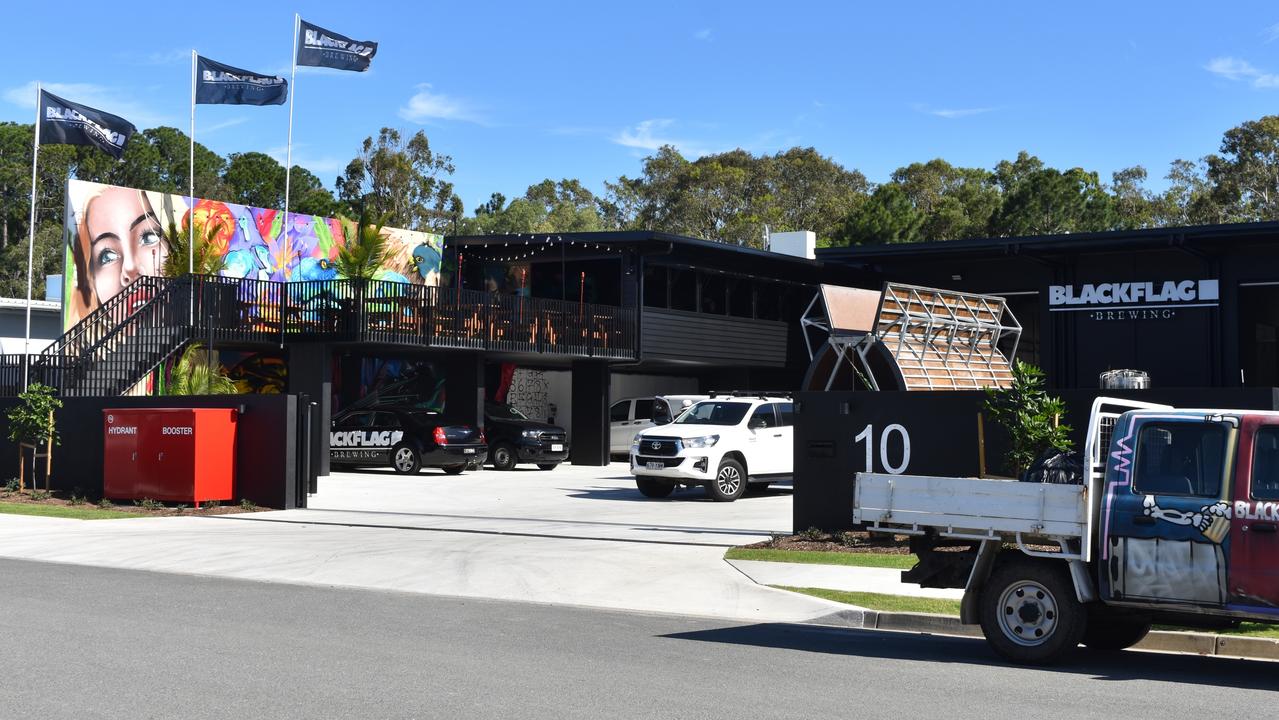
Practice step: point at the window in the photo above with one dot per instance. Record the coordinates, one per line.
(644, 409)
(1265, 464)
(620, 412)
(769, 306)
(386, 420)
(1184, 458)
(361, 419)
(714, 294)
(741, 298)
(655, 286)
(714, 413)
(764, 414)
(785, 414)
(683, 290)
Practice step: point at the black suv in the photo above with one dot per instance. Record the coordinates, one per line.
(405, 438)
(513, 438)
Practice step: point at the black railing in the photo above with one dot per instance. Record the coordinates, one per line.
(114, 348)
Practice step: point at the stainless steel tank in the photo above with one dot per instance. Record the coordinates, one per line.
(1125, 380)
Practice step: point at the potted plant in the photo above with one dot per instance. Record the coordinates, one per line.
(31, 426)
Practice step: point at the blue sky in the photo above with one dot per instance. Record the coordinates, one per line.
(519, 92)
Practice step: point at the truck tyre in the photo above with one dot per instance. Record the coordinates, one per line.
(729, 482)
(1029, 613)
(547, 466)
(404, 459)
(654, 488)
(1107, 634)
(503, 456)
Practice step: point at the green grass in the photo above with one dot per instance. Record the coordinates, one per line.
(886, 603)
(902, 603)
(817, 557)
(62, 511)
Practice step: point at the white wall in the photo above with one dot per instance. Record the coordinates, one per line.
(543, 394)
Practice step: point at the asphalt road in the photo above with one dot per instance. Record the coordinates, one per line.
(78, 642)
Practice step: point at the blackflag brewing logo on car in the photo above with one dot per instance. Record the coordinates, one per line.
(325, 48)
(364, 438)
(63, 122)
(1133, 300)
(218, 84)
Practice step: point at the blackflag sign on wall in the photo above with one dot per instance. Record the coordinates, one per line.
(322, 48)
(218, 84)
(63, 122)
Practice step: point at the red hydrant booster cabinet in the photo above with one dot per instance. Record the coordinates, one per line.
(182, 455)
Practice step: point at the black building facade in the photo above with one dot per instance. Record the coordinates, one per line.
(1192, 306)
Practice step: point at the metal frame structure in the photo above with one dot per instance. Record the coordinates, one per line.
(938, 339)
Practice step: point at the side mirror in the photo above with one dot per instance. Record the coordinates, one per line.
(759, 424)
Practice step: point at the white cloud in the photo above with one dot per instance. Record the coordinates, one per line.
(1271, 33)
(100, 97)
(704, 34)
(1237, 70)
(426, 105)
(651, 135)
(324, 164)
(206, 129)
(951, 114)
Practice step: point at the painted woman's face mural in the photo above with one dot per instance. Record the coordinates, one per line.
(116, 235)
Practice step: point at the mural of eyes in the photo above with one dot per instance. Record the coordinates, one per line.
(107, 256)
(150, 238)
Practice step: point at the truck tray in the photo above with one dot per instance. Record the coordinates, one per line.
(970, 506)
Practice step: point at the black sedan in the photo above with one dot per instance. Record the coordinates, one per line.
(407, 439)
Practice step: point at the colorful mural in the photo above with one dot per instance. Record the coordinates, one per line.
(115, 235)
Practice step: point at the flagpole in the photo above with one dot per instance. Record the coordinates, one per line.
(288, 152)
(191, 179)
(31, 243)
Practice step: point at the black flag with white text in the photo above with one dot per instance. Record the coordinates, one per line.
(218, 84)
(63, 122)
(318, 47)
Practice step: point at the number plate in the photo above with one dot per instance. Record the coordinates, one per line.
(468, 451)
(654, 466)
(557, 448)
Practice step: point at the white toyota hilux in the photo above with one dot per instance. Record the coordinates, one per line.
(722, 444)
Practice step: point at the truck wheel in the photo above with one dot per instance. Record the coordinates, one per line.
(729, 482)
(547, 466)
(454, 469)
(1029, 613)
(405, 460)
(503, 456)
(653, 488)
(1105, 634)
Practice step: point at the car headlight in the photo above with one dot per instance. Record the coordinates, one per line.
(635, 440)
(532, 433)
(701, 442)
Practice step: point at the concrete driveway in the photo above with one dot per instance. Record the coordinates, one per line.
(576, 536)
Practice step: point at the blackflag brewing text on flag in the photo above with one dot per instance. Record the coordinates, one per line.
(218, 84)
(63, 122)
(321, 48)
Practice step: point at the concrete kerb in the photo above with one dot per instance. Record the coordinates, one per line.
(1194, 643)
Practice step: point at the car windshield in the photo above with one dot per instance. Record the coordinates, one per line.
(714, 413)
(505, 412)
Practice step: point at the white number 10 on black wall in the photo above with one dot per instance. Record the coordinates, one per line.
(867, 435)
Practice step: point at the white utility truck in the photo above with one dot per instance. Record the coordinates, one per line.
(1175, 522)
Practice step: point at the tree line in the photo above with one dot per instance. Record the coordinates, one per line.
(734, 196)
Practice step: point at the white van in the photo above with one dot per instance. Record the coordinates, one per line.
(631, 415)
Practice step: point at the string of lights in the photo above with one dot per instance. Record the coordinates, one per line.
(518, 247)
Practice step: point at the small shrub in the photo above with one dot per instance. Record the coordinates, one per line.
(213, 505)
(149, 504)
(11, 485)
(76, 499)
(40, 495)
(775, 539)
(248, 505)
(813, 534)
(848, 539)
(105, 504)
(180, 508)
